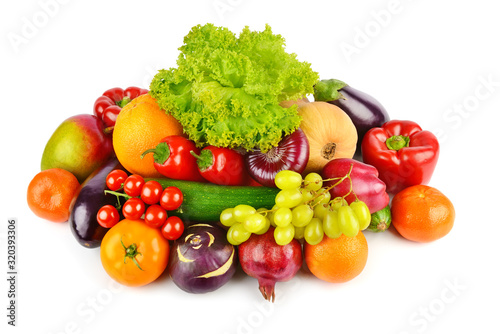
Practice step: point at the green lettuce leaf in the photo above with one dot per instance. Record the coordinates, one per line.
(226, 90)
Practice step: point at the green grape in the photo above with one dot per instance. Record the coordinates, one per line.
(331, 225)
(240, 212)
(270, 215)
(302, 215)
(320, 210)
(227, 217)
(254, 223)
(348, 222)
(288, 198)
(299, 232)
(265, 228)
(230, 239)
(337, 202)
(324, 196)
(283, 217)
(287, 179)
(307, 195)
(238, 233)
(283, 235)
(313, 181)
(313, 233)
(362, 212)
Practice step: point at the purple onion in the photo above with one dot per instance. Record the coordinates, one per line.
(202, 260)
(292, 153)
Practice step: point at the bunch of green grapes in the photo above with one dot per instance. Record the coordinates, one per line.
(303, 210)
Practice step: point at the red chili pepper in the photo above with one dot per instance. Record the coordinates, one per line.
(403, 154)
(173, 158)
(222, 166)
(108, 106)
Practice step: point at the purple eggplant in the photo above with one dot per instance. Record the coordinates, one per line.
(202, 260)
(83, 217)
(363, 109)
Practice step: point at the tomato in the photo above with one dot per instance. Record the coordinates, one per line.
(133, 185)
(108, 216)
(133, 208)
(151, 192)
(173, 228)
(133, 253)
(115, 179)
(171, 198)
(155, 216)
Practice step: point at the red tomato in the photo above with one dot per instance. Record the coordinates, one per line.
(171, 198)
(155, 216)
(151, 192)
(173, 228)
(133, 185)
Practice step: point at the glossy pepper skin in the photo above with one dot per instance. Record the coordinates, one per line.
(221, 165)
(108, 106)
(403, 153)
(366, 185)
(173, 158)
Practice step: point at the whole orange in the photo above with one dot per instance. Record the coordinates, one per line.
(50, 194)
(141, 125)
(422, 213)
(337, 260)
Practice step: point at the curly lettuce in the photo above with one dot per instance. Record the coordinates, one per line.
(226, 90)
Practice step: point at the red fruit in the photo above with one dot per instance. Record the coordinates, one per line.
(262, 258)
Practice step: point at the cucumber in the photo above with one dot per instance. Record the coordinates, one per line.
(204, 202)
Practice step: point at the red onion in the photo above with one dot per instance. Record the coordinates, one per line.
(292, 153)
(262, 258)
(202, 260)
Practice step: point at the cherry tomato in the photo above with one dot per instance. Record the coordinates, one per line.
(171, 198)
(173, 228)
(155, 216)
(133, 253)
(115, 179)
(133, 208)
(133, 185)
(151, 192)
(108, 216)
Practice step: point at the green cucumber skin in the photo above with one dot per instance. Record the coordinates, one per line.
(204, 202)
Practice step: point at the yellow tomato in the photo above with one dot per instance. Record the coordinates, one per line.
(133, 253)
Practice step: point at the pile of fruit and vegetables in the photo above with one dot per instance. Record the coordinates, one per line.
(240, 156)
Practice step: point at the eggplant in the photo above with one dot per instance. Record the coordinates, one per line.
(83, 217)
(363, 109)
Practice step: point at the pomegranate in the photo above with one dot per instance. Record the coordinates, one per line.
(262, 258)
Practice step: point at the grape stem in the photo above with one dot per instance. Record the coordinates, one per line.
(340, 180)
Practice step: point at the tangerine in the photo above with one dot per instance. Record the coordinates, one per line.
(50, 194)
(141, 125)
(422, 213)
(337, 260)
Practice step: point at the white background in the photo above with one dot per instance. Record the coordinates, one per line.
(427, 61)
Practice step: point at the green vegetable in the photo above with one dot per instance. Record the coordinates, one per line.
(381, 220)
(226, 90)
(204, 202)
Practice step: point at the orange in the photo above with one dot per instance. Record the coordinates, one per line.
(337, 260)
(50, 194)
(422, 213)
(141, 125)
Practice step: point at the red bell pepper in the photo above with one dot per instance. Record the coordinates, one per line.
(221, 165)
(403, 154)
(363, 183)
(108, 106)
(173, 158)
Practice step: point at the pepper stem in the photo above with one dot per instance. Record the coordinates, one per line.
(123, 102)
(397, 142)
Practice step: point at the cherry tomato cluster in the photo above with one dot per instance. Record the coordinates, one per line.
(144, 199)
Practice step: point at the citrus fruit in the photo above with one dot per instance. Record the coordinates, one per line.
(50, 194)
(422, 213)
(337, 260)
(141, 125)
